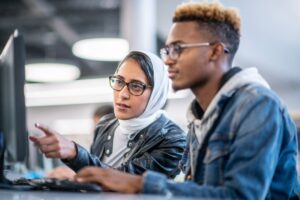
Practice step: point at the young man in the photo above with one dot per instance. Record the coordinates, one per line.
(242, 141)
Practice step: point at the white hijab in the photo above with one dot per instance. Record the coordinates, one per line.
(157, 99)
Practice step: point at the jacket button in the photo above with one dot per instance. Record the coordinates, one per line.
(109, 137)
(141, 136)
(129, 144)
(107, 151)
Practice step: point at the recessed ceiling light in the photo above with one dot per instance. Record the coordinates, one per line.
(101, 49)
(51, 72)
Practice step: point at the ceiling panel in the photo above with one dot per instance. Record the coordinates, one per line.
(50, 27)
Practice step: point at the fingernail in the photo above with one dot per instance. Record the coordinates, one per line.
(78, 179)
(36, 124)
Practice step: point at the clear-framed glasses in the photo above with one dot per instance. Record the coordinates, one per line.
(135, 88)
(173, 51)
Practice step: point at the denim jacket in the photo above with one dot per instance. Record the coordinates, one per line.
(243, 147)
(158, 147)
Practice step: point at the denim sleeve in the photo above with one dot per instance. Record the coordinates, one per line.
(263, 153)
(259, 142)
(156, 183)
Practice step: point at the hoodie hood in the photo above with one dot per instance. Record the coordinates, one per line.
(242, 78)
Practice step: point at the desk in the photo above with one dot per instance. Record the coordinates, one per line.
(51, 195)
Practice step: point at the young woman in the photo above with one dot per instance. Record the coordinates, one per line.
(139, 136)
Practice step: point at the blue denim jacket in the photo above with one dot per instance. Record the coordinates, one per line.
(251, 152)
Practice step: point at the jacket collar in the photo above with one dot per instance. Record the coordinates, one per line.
(233, 80)
(195, 111)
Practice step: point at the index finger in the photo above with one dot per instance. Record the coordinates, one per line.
(45, 129)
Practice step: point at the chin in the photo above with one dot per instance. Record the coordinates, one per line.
(123, 116)
(177, 87)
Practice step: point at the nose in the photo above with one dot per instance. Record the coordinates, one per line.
(124, 93)
(168, 61)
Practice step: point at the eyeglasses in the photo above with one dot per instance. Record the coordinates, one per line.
(135, 88)
(173, 51)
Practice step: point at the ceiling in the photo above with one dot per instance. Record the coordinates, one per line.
(50, 27)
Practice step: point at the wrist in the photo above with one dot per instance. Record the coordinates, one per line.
(74, 150)
(138, 184)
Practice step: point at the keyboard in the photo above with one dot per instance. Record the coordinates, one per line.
(57, 185)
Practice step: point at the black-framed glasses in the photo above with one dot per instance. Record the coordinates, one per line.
(135, 88)
(173, 51)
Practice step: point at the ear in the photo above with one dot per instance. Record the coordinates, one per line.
(217, 51)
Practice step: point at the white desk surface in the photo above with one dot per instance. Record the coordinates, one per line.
(51, 195)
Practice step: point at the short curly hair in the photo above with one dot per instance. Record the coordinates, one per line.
(224, 24)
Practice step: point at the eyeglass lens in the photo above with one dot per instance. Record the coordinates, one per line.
(134, 87)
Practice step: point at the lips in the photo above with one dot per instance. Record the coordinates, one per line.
(172, 74)
(122, 106)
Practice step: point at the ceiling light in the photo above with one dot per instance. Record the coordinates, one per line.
(101, 49)
(51, 72)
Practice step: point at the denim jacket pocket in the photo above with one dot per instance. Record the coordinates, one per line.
(213, 155)
(214, 162)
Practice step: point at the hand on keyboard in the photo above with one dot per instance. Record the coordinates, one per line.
(56, 184)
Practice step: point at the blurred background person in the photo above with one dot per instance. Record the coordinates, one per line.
(101, 111)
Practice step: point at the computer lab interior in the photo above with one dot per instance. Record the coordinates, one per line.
(66, 79)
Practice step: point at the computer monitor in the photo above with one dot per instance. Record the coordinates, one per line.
(12, 102)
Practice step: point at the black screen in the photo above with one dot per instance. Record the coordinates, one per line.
(12, 100)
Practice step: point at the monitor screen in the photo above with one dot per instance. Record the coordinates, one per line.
(12, 100)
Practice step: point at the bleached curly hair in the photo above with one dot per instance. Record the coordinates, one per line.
(224, 24)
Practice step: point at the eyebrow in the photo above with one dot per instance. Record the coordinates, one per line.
(175, 42)
(131, 80)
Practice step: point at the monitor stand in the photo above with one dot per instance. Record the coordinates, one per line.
(4, 182)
